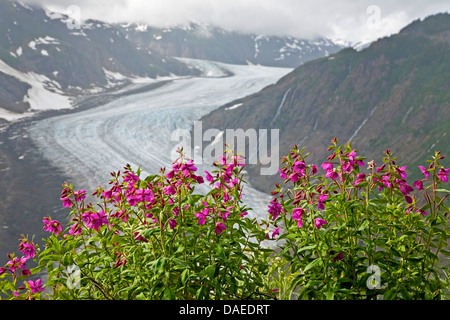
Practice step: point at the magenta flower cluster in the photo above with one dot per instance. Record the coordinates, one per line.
(16, 267)
(128, 193)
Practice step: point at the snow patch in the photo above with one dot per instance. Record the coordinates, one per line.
(44, 94)
(79, 33)
(234, 106)
(47, 40)
(25, 6)
(12, 116)
(141, 27)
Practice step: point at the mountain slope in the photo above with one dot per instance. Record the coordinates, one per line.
(45, 61)
(394, 94)
(38, 50)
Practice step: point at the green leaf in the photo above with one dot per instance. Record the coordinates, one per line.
(150, 178)
(194, 198)
(51, 257)
(306, 248)
(221, 254)
(185, 276)
(415, 259)
(159, 265)
(200, 293)
(212, 271)
(390, 294)
(330, 294)
(168, 294)
(312, 264)
(180, 263)
(68, 259)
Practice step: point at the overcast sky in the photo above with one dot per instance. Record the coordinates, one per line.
(351, 20)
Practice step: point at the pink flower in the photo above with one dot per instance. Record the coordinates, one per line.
(319, 222)
(408, 199)
(201, 216)
(402, 172)
(67, 203)
(15, 263)
(424, 171)
(238, 161)
(209, 177)
(225, 214)
(169, 190)
(172, 223)
(321, 201)
(131, 179)
(297, 215)
(79, 195)
(405, 188)
(75, 230)
(220, 227)
(274, 233)
(299, 166)
(295, 176)
(418, 184)
(327, 166)
(330, 173)
(282, 173)
(223, 160)
(26, 272)
(98, 219)
(27, 249)
(144, 195)
(199, 179)
(442, 174)
(131, 199)
(36, 286)
(139, 237)
(52, 226)
(339, 256)
(242, 214)
(188, 167)
(275, 209)
(385, 180)
(360, 178)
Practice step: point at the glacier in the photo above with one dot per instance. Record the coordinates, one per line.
(136, 129)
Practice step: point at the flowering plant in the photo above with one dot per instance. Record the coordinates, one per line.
(352, 235)
(343, 234)
(155, 238)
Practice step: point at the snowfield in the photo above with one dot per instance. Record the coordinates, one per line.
(44, 94)
(137, 129)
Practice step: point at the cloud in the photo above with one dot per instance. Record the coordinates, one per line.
(346, 19)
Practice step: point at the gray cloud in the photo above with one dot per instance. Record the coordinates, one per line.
(346, 19)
